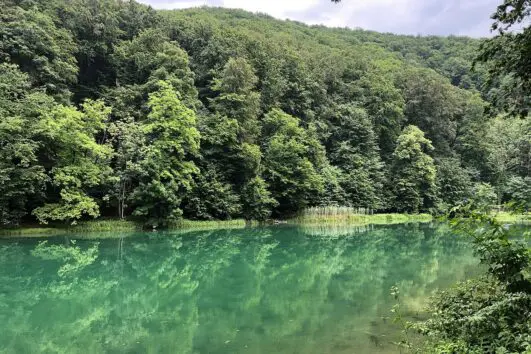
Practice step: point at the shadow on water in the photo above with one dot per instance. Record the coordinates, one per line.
(277, 289)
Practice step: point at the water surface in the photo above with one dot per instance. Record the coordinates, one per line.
(268, 290)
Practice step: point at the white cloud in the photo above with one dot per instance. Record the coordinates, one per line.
(276, 8)
(367, 13)
(461, 17)
(177, 4)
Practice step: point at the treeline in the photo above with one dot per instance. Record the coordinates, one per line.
(111, 108)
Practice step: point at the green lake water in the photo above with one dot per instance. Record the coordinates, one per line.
(281, 289)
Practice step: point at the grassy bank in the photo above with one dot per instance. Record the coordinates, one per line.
(509, 218)
(362, 216)
(30, 231)
(121, 226)
(359, 219)
(325, 217)
(112, 225)
(83, 227)
(209, 224)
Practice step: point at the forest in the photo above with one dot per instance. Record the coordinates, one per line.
(110, 108)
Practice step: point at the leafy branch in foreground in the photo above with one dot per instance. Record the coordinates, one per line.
(491, 314)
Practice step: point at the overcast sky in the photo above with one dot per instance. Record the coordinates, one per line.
(440, 17)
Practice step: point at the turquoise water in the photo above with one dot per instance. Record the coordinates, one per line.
(268, 290)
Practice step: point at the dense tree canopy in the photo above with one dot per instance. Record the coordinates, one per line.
(112, 108)
(509, 55)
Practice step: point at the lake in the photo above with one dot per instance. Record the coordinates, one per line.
(279, 289)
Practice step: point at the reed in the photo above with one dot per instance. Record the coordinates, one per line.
(354, 216)
(335, 211)
(105, 225)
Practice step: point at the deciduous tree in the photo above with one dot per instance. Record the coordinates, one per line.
(167, 167)
(413, 173)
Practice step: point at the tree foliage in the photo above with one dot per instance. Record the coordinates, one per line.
(172, 140)
(293, 157)
(413, 172)
(113, 108)
(492, 313)
(508, 55)
(79, 162)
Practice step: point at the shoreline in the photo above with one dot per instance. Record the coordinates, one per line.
(123, 226)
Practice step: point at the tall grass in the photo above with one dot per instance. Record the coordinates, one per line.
(335, 211)
(354, 216)
(208, 224)
(105, 225)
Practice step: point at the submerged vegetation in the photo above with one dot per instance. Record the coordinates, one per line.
(111, 109)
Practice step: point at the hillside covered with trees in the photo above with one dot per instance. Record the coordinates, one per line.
(111, 108)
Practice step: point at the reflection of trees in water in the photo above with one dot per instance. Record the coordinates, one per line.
(252, 290)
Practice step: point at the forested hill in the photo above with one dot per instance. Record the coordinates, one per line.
(450, 56)
(112, 108)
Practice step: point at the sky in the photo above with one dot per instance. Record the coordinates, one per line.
(426, 17)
